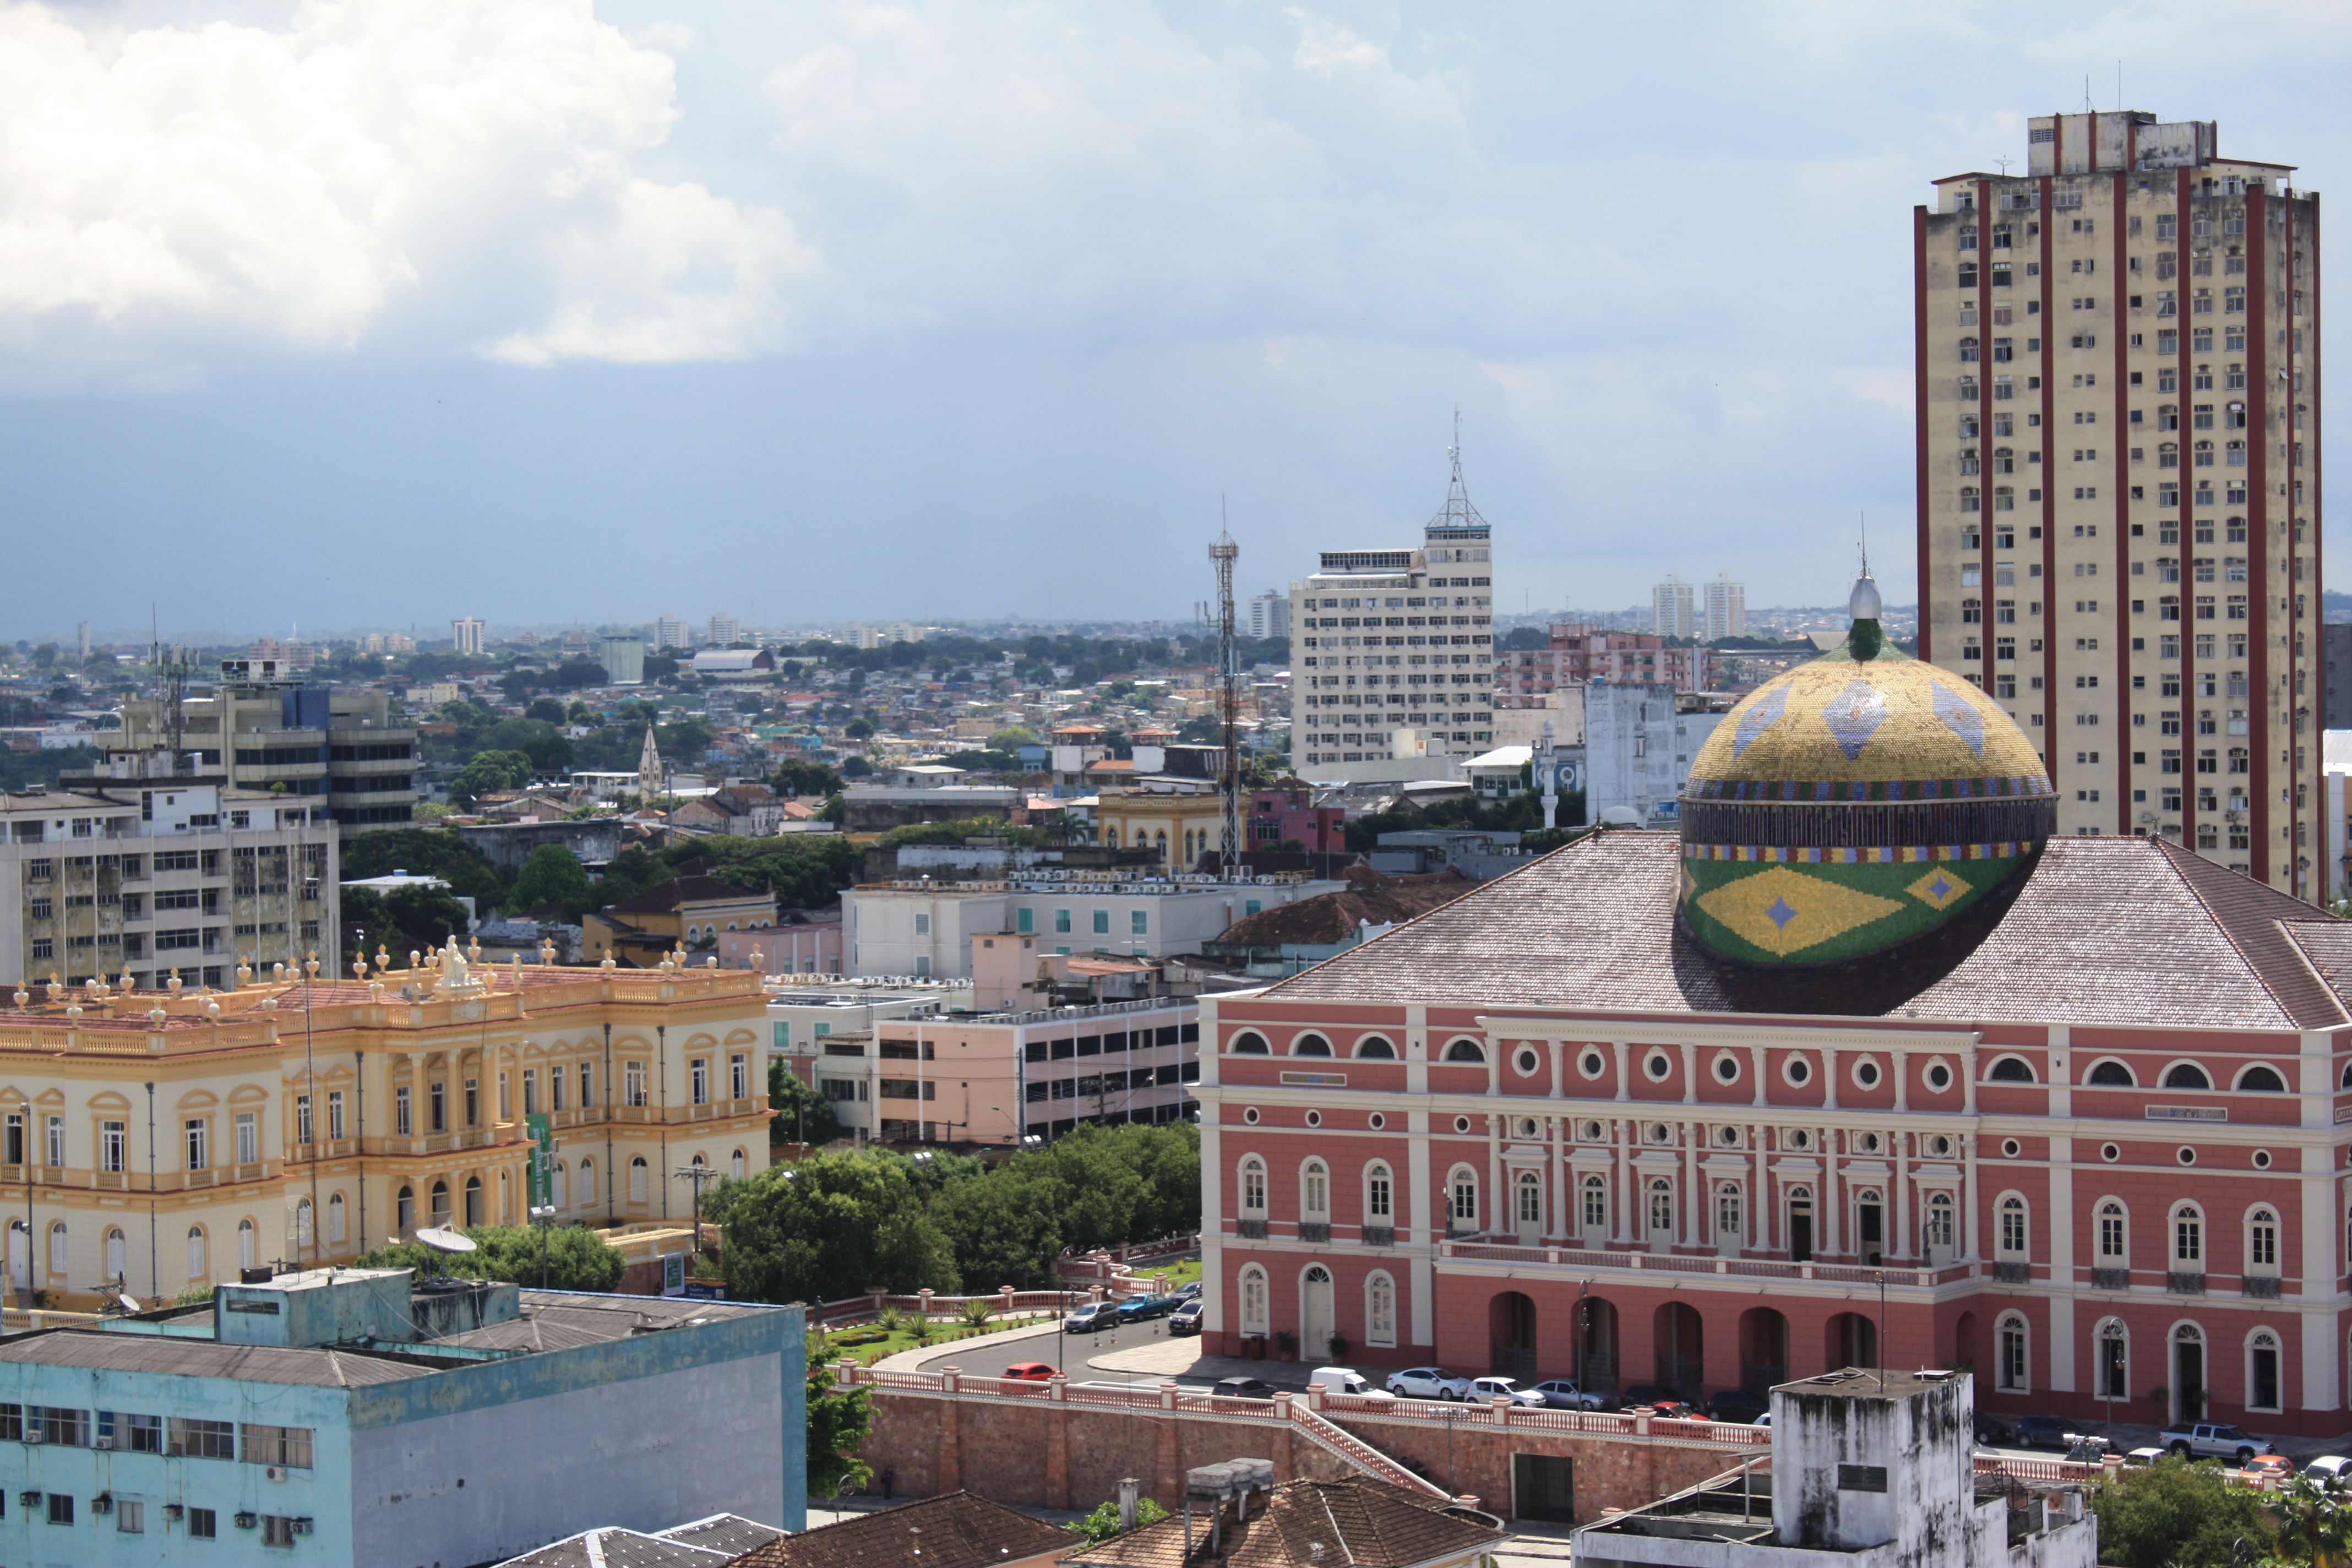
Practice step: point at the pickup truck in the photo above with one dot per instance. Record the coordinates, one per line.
(2215, 1440)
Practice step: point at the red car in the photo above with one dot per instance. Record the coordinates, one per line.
(1031, 1371)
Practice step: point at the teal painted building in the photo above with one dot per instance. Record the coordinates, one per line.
(347, 1416)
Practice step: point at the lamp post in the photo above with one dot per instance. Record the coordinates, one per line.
(544, 1217)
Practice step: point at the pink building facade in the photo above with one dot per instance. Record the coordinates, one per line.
(2096, 1146)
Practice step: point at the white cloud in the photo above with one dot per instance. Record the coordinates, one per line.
(1325, 46)
(427, 174)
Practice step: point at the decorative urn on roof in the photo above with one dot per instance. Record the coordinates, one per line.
(1854, 803)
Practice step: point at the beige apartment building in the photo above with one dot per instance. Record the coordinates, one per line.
(158, 1140)
(262, 729)
(2118, 482)
(136, 880)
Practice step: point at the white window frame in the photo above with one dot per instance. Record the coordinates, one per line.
(1380, 1309)
(1254, 1289)
(2116, 1227)
(2012, 1373)
(2186, 1238)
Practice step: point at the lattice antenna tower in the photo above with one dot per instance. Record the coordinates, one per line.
(1223, 553)
(173, 666)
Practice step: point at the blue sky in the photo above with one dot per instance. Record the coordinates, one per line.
(373, 314)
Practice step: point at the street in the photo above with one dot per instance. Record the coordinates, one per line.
(1070, 1353)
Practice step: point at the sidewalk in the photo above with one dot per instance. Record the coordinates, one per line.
(1181, 1358)
(922, 1358)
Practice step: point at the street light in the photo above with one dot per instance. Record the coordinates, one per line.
(544, 1217)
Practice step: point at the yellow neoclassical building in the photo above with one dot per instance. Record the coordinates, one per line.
(154, 1139)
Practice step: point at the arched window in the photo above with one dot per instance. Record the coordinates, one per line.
(559, 1185)
(1248, 1043)
(2263, 1242)
(1464, 1207)
(587, 1184)
(337, 1230)
(61, 1256)
(1661, 1205)
(2115, 1235)
(1310, 1045)
(2113, 1074)
(1380, 1309)
(404, 1211)
(1465, 1051)
(1596, 1203)
(440, 1209)
(2261, 1370)
(2013, 1362)
(1380, 1195)
(1315, 1192)
(2015, 1238)
(115, 1259)
(1730, 1213)
(246, 1238)
(1253, 1307)
(2186, 1075)
(1528, 1205)
(197, 1271)
(1937, 1232)
(473, 1199)
(302, 1221)
(2187, 1239)
(637, 1175)
(1373, 1049)
(737, 1165)
(2260, 1079)
(2012, 1069)
(2112, 1373)
(1254, 1188)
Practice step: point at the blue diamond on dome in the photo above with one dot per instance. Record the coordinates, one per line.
(1781, 913)
(1855, 715)
(1960, 716)
(1758, 719)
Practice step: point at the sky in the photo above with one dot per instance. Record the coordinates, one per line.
(332, 316)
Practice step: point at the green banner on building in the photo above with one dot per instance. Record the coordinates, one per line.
(542, 1160)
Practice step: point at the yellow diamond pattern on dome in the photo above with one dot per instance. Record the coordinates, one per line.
(1839, 720)
(1785, 911)
(1941, 888)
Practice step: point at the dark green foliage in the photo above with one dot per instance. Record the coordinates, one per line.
(425, 852)
(807, 1116)
(839, 1420)
(2175, 1512)
(956, 832)
(576, 1257)
(797, 775)
(1525, 637)
(40, 769)
(1522, 812)
(1103, 1523)
(829, 1227)
(804, 871)
(404, 920)
(552, 875)
(490, 773)
(629, 873)
(547, 708)
(549, 750)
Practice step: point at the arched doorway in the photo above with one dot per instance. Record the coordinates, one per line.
(1596, 1343)
(1870, 1226)
(1851, 1340)
(20, 1256)
(1964, 1342)
(1680, 1337)
(2188, 1373)
(1316, 1321)
(1511, 1336)
(1800, 1224)
(1763, 1350)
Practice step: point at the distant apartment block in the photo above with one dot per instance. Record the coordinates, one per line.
(261, 729)
(148, 877)
(1270, 615)
(2335, 676)
(1581, 653)
(1638, 745)
(388, 642)
(723, 630)
(1674, 611)
(1725, 613)
(466, 633)
(669, 632)
(624, 658)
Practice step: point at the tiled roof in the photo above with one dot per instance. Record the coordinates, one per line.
(2098, 932)
(1351, 1524)
(678, 891)
(957, 1530)
(1332, 917)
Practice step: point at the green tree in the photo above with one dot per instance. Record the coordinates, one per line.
(576, 1259)
(1103, 1523)
(2312, 1527)
(1012, 737)
(1003, 1225)
(829, 1227)
(858, 730)
(801, 775)
(839, 1421)
(425, 852)
(805, 1116)
(549, 749)
(487, 772)
(629, 873)
(552, 875)
(2177, 1514)
(549, 710)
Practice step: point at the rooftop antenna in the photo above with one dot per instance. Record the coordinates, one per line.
(2087, 108)
(1222, 554)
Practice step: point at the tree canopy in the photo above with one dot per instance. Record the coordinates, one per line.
(576, 1257)
(488, 773)
(425, 852)
(552, 875)
(2175, 1512)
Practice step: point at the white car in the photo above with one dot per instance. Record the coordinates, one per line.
(1428, 1383)
(2330, 1470)
(1562, 1394)
(1485, 1389)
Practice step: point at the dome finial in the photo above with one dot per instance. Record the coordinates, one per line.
(1863, 602)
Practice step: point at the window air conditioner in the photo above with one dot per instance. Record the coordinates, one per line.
(101, 1441)
(276, 1472)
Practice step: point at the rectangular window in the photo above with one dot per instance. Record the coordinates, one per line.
(1139, 922)
(700, 1080)
(64, 1428)
(335, 1113)
(1061, 923)
(57, 1141)
(739, 1077)
(199, 1142)
(111, 1140)
(531, 1091)
(202, 1525)
(139, 1434)
(403, 1121)
(130, 1516)
(303, 1127)
(288, 1445)
(587, 1086)
(61, 1509)
(1024, 921)
(632, 1081)
(1102, 922)
(248, 1137)
(555, 1095)
(191, 1438)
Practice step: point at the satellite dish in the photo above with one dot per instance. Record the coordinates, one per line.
(441, 1240)
(128, 1302)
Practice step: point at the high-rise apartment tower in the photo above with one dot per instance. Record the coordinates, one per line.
(2118, 477)
(1673, 610)
(1725, 608)
(466, 634)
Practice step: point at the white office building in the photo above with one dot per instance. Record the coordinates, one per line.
(1726, 608)
(1674, 611)
(1639, 740)
(1270, 615)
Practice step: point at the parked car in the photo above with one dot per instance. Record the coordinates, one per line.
(2041, 1432)
(1092, 1319)
(1484, 1389)
(1345, 1379)
(1186, 1292)
(2330, 1470)
(1428, 1383)
(2141, 1458)
(1562, 1394)
(1676, 1410)
(1647, 1394)
(2214, 1440)
(2275, 1468)
(1737, 1405)
(1031, 1371)
(1994, 1433)
(1136, 1308)
(1186, 1319)
(1243, 1388)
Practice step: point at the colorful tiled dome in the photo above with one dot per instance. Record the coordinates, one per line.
(1854, 803)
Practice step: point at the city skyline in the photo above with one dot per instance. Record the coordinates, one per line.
(723, 347)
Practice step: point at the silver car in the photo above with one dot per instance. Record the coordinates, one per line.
(1562, 1394)
(1428, 1383)
(1485, 1389)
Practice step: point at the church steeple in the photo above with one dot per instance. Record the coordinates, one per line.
(649, 768)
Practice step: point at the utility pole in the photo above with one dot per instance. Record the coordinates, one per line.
(701, 1176)
(1223, 553)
